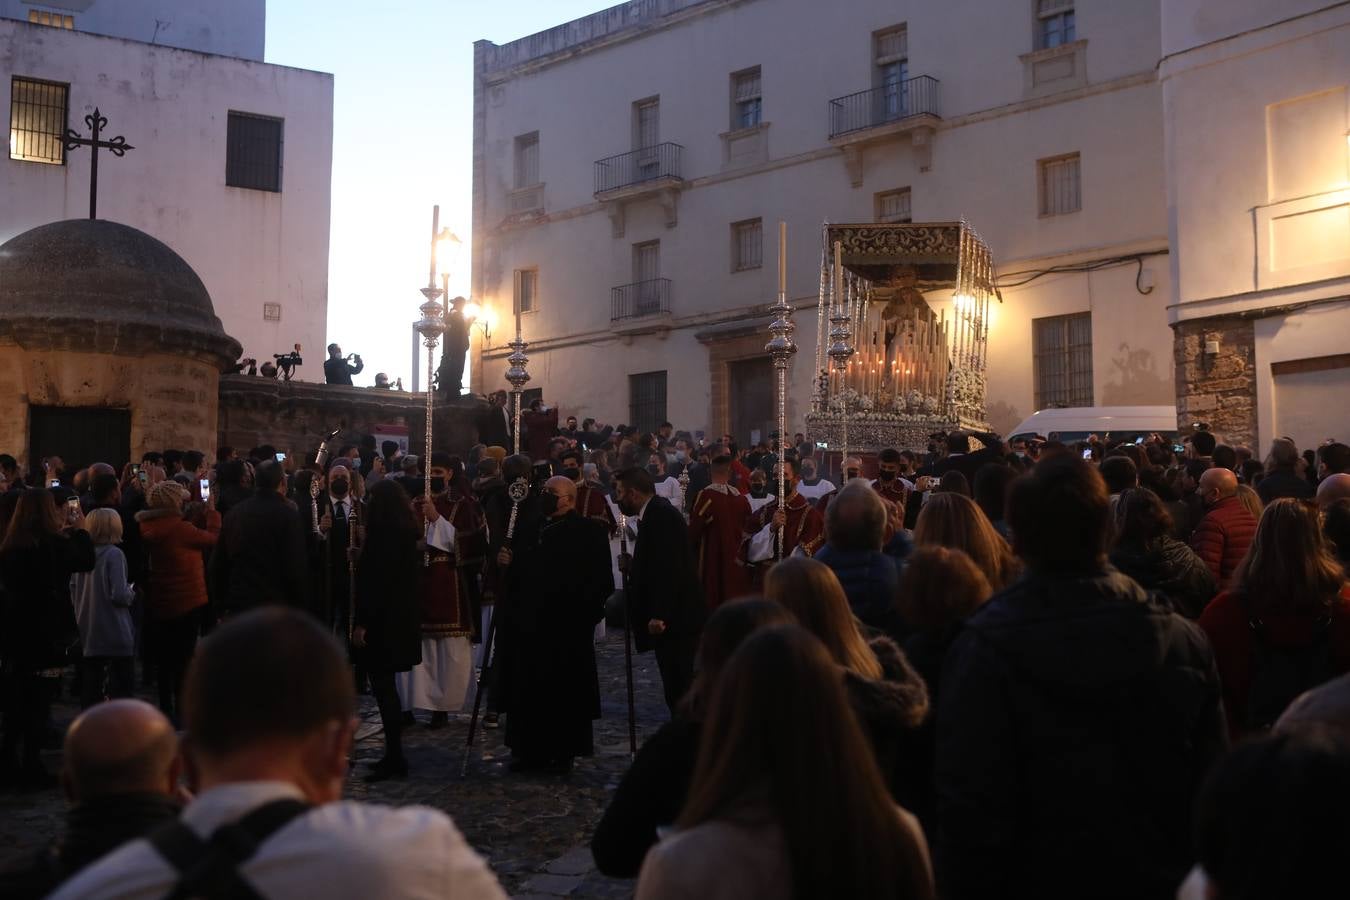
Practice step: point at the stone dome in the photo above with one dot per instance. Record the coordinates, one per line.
(110, 287)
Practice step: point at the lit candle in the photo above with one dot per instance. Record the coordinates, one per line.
(782, 257)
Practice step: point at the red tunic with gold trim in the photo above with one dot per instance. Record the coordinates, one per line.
(805, 529)
(591, 504)
(894, 491)
(449, 586)
(716, 528)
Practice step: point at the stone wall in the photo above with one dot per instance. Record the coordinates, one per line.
(295, 416)
(172, 400)
(1218, 389)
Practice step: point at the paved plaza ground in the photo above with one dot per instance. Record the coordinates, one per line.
(534, 830)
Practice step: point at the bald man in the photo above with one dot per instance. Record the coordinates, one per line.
(121, 780)
(1331, 489)
(1223, 535)
(549, 690)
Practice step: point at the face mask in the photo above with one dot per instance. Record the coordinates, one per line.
(681, 456)
(809, 474)
(339, 488)
(437, 485)
(759, 490)
(548, 503)
(885, 476)
(572, 473)
(851, 474)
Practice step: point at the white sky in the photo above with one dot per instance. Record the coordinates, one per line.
(402, 141)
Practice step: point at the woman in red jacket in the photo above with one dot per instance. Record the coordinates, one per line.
(175, 596)
(1284, 627)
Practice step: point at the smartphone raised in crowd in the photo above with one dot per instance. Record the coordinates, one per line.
(281, 457)
(204, 487)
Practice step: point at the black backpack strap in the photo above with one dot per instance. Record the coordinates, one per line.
(210, 868)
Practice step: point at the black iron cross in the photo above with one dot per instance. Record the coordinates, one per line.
(118, 145)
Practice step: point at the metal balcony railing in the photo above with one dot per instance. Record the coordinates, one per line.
(638, 166)
(884, 105)
(641, 298)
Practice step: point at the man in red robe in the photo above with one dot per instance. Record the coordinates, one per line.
(456, 541)
(716, 526)
(591, 503)
(889, 484)
(802, 525)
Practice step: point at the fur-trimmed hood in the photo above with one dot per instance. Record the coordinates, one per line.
(897, 701)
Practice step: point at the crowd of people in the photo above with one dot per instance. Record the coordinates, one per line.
(973, 669)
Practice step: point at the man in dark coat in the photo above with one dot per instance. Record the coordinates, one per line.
(494, 423)
(1076, 720)
(664, 594)
(261, 558)
(560, 581)
(336, 369)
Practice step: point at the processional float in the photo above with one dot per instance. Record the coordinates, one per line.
(902, 334)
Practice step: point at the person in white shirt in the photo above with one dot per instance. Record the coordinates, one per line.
(666, 486)
(270, 703)
(811, 486)
(759, 490)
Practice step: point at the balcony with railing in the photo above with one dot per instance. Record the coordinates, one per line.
(649, 168)
(640, 306)
(892, 108)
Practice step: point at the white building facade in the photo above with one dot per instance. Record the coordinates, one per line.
(1257, 112)
(631, 168)
(232, 163)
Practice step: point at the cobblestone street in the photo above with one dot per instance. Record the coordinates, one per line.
(534, 830)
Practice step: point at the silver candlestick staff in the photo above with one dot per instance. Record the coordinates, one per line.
(431, 326)
(781, 348)
(518, 377)
(841, 350)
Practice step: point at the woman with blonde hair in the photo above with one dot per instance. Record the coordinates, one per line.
(1251, 499)
(953, 520)
(102, 600)
(886, 693)
(786, 800)
(176, 587)
(1284, 625)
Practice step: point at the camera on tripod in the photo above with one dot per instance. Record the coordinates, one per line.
(287, 362)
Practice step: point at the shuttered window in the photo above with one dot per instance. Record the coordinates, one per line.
(746, 99)
(527, 160)
(1060, 185)
(253, 152)
(893, 206)
(526, 290)
(747, 245)
(1055, 23)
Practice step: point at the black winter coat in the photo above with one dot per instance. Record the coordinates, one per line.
(890, 710)
(37, 621)
(662, 582)
(1076, 721)
(1170, 568)
(386, 603)
(261, 558)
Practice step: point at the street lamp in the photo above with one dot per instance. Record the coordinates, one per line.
(483, 317)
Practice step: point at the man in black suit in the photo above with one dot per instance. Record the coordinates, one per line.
(261, 558)
(336, 369)
(959, 457)
(664, 593)
(494, 423)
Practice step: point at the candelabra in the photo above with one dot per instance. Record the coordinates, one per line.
(781, 348)
(841, 330)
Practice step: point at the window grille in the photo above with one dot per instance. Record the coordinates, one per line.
(38, 111)
(746, 99)
(647, 400)
(1062, 360)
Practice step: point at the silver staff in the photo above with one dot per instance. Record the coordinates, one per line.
(781, 348)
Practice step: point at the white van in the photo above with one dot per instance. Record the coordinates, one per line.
(1119, 423)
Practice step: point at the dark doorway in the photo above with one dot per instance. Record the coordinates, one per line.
(753, 407)
(79, 436)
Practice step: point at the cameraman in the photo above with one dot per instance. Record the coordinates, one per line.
(336, 369)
